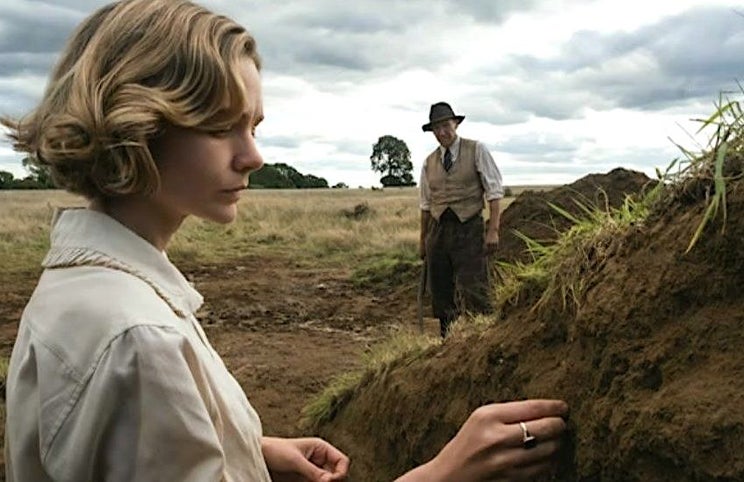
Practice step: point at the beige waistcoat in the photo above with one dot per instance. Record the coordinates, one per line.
(460, 189)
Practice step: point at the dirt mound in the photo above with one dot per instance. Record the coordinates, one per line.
(650, 361)
(531, 214)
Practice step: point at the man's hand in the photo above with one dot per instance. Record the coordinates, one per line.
(491, 242)
(426, 221)
(492, 227)
(304, 460)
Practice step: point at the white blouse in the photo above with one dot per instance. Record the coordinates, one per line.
(112, 378)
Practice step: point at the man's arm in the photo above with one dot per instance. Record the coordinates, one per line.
(425, 223)
(424, 204)
(494, 191)
(494, 223)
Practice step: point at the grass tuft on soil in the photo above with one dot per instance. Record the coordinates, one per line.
(558, 271)
(387, 270)
(400, 348)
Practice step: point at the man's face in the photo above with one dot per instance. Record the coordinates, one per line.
(445, 131)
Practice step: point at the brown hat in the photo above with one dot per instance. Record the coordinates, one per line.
(439, 112)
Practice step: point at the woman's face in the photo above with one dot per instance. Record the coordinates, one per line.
(204, 174)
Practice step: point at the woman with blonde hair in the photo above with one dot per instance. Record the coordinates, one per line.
(151, 114)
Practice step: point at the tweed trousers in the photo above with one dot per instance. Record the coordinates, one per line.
(457, 267)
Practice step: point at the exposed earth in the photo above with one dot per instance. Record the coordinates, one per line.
(648, 356)
(656, 336)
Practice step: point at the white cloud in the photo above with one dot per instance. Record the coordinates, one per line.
(557, 89)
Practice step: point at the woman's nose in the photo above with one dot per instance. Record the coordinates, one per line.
(248, 158)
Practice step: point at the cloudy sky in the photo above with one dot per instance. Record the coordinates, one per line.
(555, 88)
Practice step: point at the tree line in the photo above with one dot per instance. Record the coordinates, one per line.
(390, 157)
(37, 178)
(271, 176)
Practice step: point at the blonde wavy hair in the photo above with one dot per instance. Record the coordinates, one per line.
(129, 70)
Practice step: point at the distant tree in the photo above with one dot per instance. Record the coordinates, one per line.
(269, 177)
(38, 175)
(391, 157)
(340, 185)
(310, 182)
(289, 172)
(27, 182)
(6, 180)
(283, 176)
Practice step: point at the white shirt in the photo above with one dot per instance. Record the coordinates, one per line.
(485, 165)
(112, 378)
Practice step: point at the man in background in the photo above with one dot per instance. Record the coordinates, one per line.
(455, 180)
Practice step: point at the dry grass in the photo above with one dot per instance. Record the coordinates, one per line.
(309, 225)
(24, 226)
(312, 226)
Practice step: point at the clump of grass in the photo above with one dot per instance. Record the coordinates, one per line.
(401, 347)
(559, 271)
(518, 279)
(469, 324)
(359, 211)
(387, 270)
(325, 406)
(708, 173)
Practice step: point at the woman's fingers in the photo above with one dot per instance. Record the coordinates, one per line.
(525, 410)
(510, 452)
(542, 429)
(514, 460)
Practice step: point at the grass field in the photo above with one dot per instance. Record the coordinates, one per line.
(314, 226)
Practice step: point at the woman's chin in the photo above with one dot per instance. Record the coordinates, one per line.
(224, 215)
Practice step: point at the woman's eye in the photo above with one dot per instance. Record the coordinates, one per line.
(222, 132)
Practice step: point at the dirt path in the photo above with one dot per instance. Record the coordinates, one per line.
(285, 331)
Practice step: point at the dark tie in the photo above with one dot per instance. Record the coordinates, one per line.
(447, 160)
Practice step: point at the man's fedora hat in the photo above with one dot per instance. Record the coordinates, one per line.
(439, 112)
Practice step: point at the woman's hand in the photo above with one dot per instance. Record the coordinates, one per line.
(303, 460)
(491, 444)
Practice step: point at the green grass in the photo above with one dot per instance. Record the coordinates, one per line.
(559, 271)
(726, 145)
(387, 269)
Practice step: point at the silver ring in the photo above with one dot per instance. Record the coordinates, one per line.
(528, 440)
